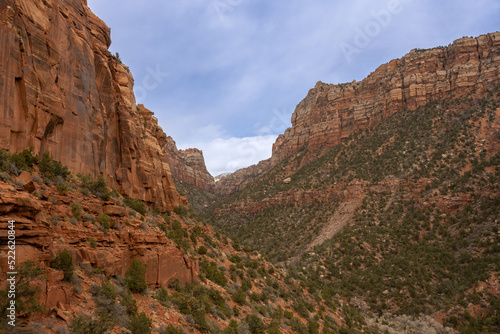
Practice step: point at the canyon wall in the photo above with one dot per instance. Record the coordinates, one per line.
(43, 230)
(234, 182)
(63, 92)
(330, 113)
(189, 166)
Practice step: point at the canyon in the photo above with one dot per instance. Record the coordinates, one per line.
(330, 113)
(407, 156)
(63, 92)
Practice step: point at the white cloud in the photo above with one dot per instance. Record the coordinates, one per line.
(229, 155)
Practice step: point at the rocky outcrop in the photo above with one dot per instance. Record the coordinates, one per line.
(43, 228)
(63, 92)
(189, 166)
(330, 113)
(291, 197)
(230, 184)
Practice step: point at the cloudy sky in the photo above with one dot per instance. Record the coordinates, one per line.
(225, 75)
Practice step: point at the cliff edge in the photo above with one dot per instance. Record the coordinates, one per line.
(63, 92)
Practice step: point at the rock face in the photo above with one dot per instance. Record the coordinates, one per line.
(330, 113)
(41, 234)
(63, 92)
(232, 183)
(189, 166)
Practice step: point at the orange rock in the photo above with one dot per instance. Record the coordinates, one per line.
(64, 93)
(115, 210)
(189, 166)
(330, 113)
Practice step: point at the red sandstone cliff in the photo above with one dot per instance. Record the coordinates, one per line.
(330, 113)
(43, 228)
(189, 166)
(61, 91)
(234, 182)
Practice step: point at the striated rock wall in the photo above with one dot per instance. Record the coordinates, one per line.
(61, 91)
(230, 184)
(189, 166)
(40, 236)
(330, 113)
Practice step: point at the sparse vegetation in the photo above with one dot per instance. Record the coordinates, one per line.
(76, 211)
(97, 187)
(136, 205)
(405, 250)
(64, 262)
(136, 276)
(84, 324)
(25, 300)
(139, 324)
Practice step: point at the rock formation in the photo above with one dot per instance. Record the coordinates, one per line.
(189, 166)
(330, 113)
(41, 233)
(63, 92)
(232, 183)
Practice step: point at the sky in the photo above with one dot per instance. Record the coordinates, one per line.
(225, 76)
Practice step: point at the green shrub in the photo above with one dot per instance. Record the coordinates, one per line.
(64, 262)
(171, 329)
(51, 168)
(255, 324)
(97, 187)
(239, 297)
(234, 258)
(181, 210)
(63, 187)
(298, 326)
(211, 272)
(232, 328)
(135, 204)
(108, 290)
(24, 160)
(88, 218)
(202, 250)
(25, 293)
(161, 296)
(76, 211)
(139, 324)
(274, 329)
(83, 324)
(136, 276)
(129, 302)
(178, 235)
(246, 284)
(92, 242)
(104, 220)
(216, 298)
(313, 328)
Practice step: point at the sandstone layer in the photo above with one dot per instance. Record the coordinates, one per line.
(189, 166)
(330, 113)
(232, 183)
(42, 230)
(63, 92)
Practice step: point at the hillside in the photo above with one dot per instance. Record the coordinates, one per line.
(331, 113)
(378, 211)
(92, 261)
(64, 93)
(400, 216)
